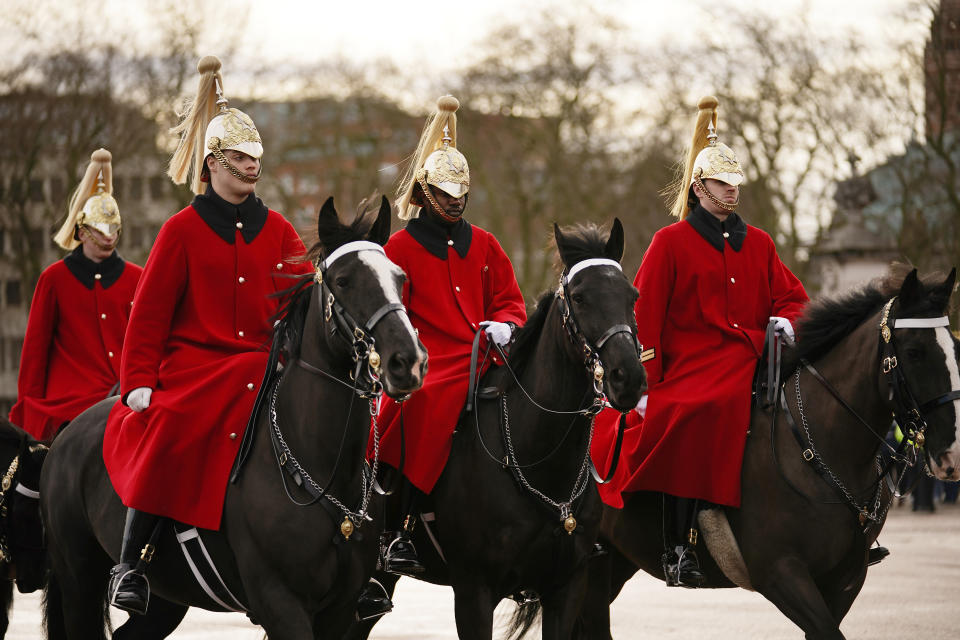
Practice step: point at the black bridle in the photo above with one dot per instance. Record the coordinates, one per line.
(908, 412)
(10, 483)
(590, 351)
(364, 382)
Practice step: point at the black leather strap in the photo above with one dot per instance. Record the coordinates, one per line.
(621, 427)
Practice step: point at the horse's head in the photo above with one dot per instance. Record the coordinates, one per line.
(600, 308)
(921, 362)
(359, 297)
(21, 532)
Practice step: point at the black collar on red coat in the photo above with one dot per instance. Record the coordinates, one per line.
(713, 230)
(86, 270)
(222, 216)
(436, 237)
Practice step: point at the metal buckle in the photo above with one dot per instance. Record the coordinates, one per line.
(889, 364)
(808, 454)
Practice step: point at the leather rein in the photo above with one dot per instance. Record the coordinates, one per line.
(908, 413)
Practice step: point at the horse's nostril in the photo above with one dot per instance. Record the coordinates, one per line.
(399, 364)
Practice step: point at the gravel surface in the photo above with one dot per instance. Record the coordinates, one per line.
(913, 593)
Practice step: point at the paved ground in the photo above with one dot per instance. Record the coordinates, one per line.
(912, 594)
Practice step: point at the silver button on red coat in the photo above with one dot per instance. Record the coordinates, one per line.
(240, 333)
(250, 386)
(239, 225)
(279, 266)
(449, 243)
(97, 276)
(241, 279)
(103, 316)
(109, 354)
(733, 280)
(457, 289)
(233, 436)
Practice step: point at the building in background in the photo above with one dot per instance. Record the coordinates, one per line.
(908, 207)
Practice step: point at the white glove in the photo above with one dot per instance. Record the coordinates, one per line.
(139, 398)
(784, 325)
(642, 406)
(499, 332)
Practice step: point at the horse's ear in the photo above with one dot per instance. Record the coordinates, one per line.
(614, 248)
(943, 291)
(561, 243)
(910, 291)
(328, 215)
(380, 231)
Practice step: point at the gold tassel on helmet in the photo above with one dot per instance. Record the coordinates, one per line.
(436, 161)
(208, 126)
(706, 158)
(92, 202)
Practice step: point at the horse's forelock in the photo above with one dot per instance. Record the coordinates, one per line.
(581, 242)
(332, 234)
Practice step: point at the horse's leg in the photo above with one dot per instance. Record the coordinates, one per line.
(840, 593)
(607, 575)
(473, 608)
(6, 601)
(789, 586)
(562, 607)
(161, 619)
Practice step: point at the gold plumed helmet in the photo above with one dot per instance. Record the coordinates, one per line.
(92, 203)
(706, 158)
(209, 127)
(437, 161)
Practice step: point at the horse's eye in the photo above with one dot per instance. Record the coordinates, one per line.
(342, 282)
(577, 298)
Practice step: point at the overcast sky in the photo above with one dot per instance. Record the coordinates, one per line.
(432, 34)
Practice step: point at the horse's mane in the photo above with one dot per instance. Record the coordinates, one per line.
(581, 242)
(526, 338)
(826, 321)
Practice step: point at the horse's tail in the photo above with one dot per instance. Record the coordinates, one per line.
(54, 622)
(524, 618)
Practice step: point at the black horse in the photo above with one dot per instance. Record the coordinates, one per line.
(21, 533)
(516, 512)
(294, 549)
(814, 491)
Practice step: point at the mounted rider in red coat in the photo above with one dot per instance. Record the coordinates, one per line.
(199, 335)
(71, 351)
(709, 284)
(459, 281)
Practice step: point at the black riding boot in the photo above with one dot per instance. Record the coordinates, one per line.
(681, 567)
(374, 601)
(129, 589)
(401, 556)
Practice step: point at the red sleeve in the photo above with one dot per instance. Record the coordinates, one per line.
(654, 281)
(158, 294)
(786, 291)
(32, 378)
(503, 301)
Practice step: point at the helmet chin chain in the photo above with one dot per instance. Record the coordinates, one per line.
(433, 203)
(239, 175)
(93, 237)
(727, 206)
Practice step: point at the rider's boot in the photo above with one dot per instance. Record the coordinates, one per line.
(401, 556)
(128, 588)
(374, 601)
(876, 554)
(681, 567)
